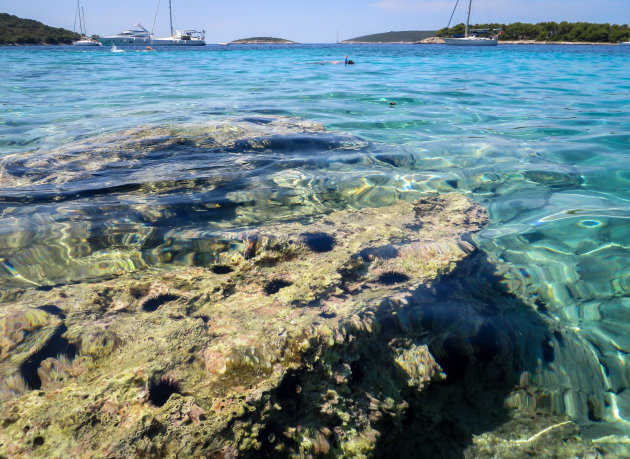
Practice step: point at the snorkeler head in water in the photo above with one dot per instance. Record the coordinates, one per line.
(346, 62)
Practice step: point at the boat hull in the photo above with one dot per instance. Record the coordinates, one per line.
(128, 41)
(125, 41)
(471, 41)
(176, 42)
(85, 43)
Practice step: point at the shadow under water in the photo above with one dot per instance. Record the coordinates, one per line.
(97, 208)
(498, 397)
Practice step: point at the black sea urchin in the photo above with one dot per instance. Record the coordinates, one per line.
(275, 285)
(392, 278)
(152, 303)
(161, 389)
(319, 242)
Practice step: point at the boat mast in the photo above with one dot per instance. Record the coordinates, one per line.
(468, 19)
(76, 14)
(155, 18)
(170, 13)
(84, 29)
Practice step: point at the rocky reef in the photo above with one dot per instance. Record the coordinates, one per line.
(372, 332)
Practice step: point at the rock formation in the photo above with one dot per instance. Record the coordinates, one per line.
(320, 338)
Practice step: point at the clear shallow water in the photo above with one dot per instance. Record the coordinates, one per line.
(112, 162)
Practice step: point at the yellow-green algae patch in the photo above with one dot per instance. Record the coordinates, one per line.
(279, 351)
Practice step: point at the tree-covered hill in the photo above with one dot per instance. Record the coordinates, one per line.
(409, 36)
(261, 41)
(15, 30)
(552, 31)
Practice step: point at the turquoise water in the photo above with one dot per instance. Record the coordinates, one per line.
(114, 162)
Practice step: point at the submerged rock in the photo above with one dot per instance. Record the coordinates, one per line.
(308, 338)
(102, 206)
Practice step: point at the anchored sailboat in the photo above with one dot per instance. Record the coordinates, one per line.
(179, 37)
(85, 40)
(139, 36)
(472, 40)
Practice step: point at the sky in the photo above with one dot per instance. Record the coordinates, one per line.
(308, 21)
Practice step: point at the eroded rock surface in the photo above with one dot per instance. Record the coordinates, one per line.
(302, 339)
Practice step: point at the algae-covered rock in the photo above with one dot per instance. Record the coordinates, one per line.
(307, 338)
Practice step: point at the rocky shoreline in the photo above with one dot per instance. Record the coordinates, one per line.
(440, 41)
(534, 42)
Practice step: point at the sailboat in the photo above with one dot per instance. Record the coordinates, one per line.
(85, 40)
(474, 39)
(178, 37)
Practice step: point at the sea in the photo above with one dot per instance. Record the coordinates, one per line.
(112, 162)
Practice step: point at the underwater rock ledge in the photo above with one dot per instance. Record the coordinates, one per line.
(305, 339)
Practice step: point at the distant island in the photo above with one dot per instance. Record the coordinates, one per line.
(518, 32)
(18, 31)
(262, 41)
(409, 36)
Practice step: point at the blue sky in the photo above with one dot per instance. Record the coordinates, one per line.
(308, 21)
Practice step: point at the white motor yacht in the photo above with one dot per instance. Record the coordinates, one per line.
(135, 36)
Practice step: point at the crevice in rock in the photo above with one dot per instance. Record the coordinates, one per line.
(55, 346)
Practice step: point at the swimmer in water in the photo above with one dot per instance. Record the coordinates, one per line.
(346, 62)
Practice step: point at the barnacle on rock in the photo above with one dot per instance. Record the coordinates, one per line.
(53, 372)
(98, 344)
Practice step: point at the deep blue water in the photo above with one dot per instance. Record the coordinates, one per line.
(113, 162)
